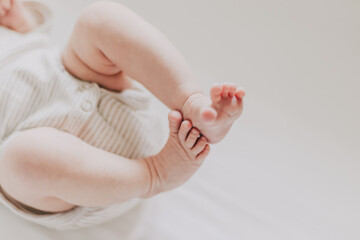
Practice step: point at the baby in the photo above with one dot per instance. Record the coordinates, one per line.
(110, 51)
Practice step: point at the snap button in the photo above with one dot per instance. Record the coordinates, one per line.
(86, 106)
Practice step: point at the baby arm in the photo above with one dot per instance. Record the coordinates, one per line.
(15, 15)
(54, 171)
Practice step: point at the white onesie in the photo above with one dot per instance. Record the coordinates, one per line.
(36, 91)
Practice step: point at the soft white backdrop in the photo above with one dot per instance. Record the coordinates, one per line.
(289, 169)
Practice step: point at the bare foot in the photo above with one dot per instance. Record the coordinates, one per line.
(214, 116)
(15, 16)
(181, 156)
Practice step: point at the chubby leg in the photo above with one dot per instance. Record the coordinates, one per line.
(112, 45)
(53, 171)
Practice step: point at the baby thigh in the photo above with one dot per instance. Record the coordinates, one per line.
(83, 59)
(42, 166)
(25, 181)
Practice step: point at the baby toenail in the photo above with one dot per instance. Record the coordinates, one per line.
(186, 125)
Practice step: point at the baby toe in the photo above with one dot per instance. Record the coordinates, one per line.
(202, 155)
(232, 90)
(225, 91)
(175, 118)
(199, 146)
(185, 127)
(192, 137)
(240, 93)
(215, 92)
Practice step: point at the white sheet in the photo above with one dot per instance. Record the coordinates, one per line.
(289, 168)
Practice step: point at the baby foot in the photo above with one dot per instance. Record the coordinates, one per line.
(15, 16)
(181, 156)
(214, 116)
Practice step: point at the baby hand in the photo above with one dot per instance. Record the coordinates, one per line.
(182, 155)
(15, 16)
(5, 6)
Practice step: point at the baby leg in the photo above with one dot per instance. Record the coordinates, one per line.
(53, 171)
(111, 45)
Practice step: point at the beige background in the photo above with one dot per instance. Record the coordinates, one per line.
(289, 169)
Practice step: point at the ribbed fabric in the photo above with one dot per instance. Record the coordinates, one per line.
(36, 91)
